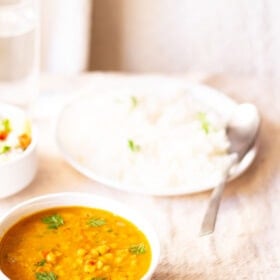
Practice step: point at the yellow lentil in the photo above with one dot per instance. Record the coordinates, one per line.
(88, 243)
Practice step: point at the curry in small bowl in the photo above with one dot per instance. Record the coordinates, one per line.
(77, 243)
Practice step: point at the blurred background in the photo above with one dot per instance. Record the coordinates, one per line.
(237, 37)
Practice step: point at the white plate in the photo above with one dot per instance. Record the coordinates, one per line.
(215, 99)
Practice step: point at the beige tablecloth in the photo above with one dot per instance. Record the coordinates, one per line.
(246, 243)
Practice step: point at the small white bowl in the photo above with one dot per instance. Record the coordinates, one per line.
(86, 200)
(18, 172)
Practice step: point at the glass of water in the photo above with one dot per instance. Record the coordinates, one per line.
(19, 57)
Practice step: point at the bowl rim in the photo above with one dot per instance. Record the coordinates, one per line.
(34, 136)
(152, 238)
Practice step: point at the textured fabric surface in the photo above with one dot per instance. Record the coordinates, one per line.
(246, 243)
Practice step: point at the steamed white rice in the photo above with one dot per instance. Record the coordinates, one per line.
(152, 141)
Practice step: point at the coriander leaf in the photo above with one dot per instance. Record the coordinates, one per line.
(41, 262)
(134, 101)
(5, 149)
(53, 221)
(96, 222)
(137, 249)
(46, 276)
(5, 125)
(132, 146)
(205, 124)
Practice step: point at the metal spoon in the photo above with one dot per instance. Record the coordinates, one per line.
(242, 131)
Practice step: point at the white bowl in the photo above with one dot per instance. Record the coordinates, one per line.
(87, 200)
(19, 171)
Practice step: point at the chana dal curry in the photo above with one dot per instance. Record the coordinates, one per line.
(74, 243)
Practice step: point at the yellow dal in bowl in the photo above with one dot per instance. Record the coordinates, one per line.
(76, 243)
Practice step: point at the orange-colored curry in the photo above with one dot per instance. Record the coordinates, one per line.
(74, 243)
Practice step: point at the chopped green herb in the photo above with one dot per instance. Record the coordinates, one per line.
(5, 125)
(137, 249)
(5, 149)
(99, 278)
(96, 222)
(53, 221)
(134, 101)
(46, 276)
(132, 146)
(41, 262)
(205, 125)
(118, 100)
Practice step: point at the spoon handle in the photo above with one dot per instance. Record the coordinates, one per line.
(209, 220)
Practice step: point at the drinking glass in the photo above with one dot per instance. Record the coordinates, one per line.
(19, 57)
